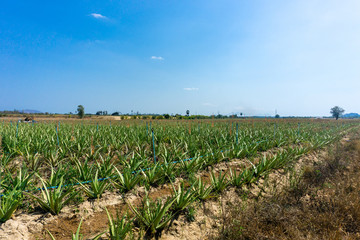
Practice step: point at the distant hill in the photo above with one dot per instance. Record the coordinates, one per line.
(30, 111)
(351, 115)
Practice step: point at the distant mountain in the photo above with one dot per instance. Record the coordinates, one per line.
(29, 111)
(351, 115)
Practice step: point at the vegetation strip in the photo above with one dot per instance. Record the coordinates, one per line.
(320, 201)
(218, 184)
(132, 167)
(106, 178)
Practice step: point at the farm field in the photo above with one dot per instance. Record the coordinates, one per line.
(179, 120)
(53, 166)
(315, 198)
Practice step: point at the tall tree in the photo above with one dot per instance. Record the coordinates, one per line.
(80, 111)
(336, 112)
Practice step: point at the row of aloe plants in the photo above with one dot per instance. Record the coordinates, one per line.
(153, 216)
(105, 166)
(38, 148)
(55, 141)
(52, 200)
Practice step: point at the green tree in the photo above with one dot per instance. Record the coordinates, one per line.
(336, 112)
(80, 111)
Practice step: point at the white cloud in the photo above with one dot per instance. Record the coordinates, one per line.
(98, 16)
(157, 58)
(191, 89)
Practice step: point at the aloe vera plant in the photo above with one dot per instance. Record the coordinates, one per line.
(192, 165)
(77, 235)
(236, 179)
(53, 200)
(32, 160)
(119, 228)
(237, 151)
(53, 157)
(153, 176)
(85, 170)
(201, 191)
(183, 198)
(126, 181)
(8, 204)
(105, 166)
(95, 188)
(219, 183)
(56, 176)
(249, 175)
(170, 170)
(21, 181)
(153, 216)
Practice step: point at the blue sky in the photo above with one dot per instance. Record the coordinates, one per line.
(299, 57)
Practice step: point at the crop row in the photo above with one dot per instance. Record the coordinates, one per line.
(152, 216)
(32, 156)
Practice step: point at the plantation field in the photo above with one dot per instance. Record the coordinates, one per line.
(46, 166)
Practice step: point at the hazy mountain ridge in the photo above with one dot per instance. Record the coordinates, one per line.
(351, 115)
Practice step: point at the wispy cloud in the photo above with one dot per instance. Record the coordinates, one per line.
(191, 89)
(157, 58)
(98, 16)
